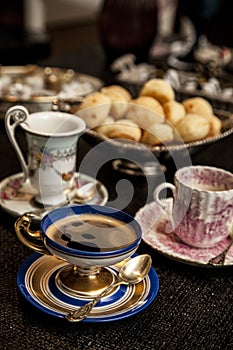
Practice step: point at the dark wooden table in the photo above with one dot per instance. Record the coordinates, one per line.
(194, 306)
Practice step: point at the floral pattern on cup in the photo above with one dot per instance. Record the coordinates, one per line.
(205, 177)
(42, 158)
(202, 214)
(199, 219)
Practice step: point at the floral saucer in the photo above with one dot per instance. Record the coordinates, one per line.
(153, 220)
(16, 197)
(36, 281)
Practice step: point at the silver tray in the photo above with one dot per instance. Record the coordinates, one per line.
(43, 88)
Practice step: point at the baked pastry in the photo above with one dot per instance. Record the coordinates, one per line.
(117, 88)
(159, 89)
(197, 105)
(119, 103)
(105, 127)
(94, 109)
(193, 127)
(124, 129)
(215, 125)
(158, 134)
(174, 111)
(143, 115)
(150, 103)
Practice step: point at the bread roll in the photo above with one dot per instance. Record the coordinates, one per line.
(215, 125)
(119, 103)
(193, 127)
(125, 129)
(105, 127)
(143, 116)
(159, 89)
(117, 88)
(149, 102)
(197, 105)
(157, 134)
(94, 109)
(174, 111)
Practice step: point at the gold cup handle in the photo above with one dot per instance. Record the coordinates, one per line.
(28, 237)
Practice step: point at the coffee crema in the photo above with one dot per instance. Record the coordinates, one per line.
(208, 187)
(92, 232)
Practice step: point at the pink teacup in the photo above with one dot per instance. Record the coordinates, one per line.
(202, 212)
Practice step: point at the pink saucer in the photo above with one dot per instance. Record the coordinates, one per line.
(153, 220)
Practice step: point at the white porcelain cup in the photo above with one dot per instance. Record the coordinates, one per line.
(51, 150)
(202, 213)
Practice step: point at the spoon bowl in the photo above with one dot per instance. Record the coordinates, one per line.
(132, 272)
(82, 194)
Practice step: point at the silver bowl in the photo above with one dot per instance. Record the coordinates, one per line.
(144, 156)
(16, 80)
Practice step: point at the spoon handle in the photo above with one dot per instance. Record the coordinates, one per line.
(81, 313)
(220, 258)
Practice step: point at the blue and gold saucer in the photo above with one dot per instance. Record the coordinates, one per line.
(36, 281)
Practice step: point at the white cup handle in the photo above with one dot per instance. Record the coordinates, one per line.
(14, 117)
(168, 210)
